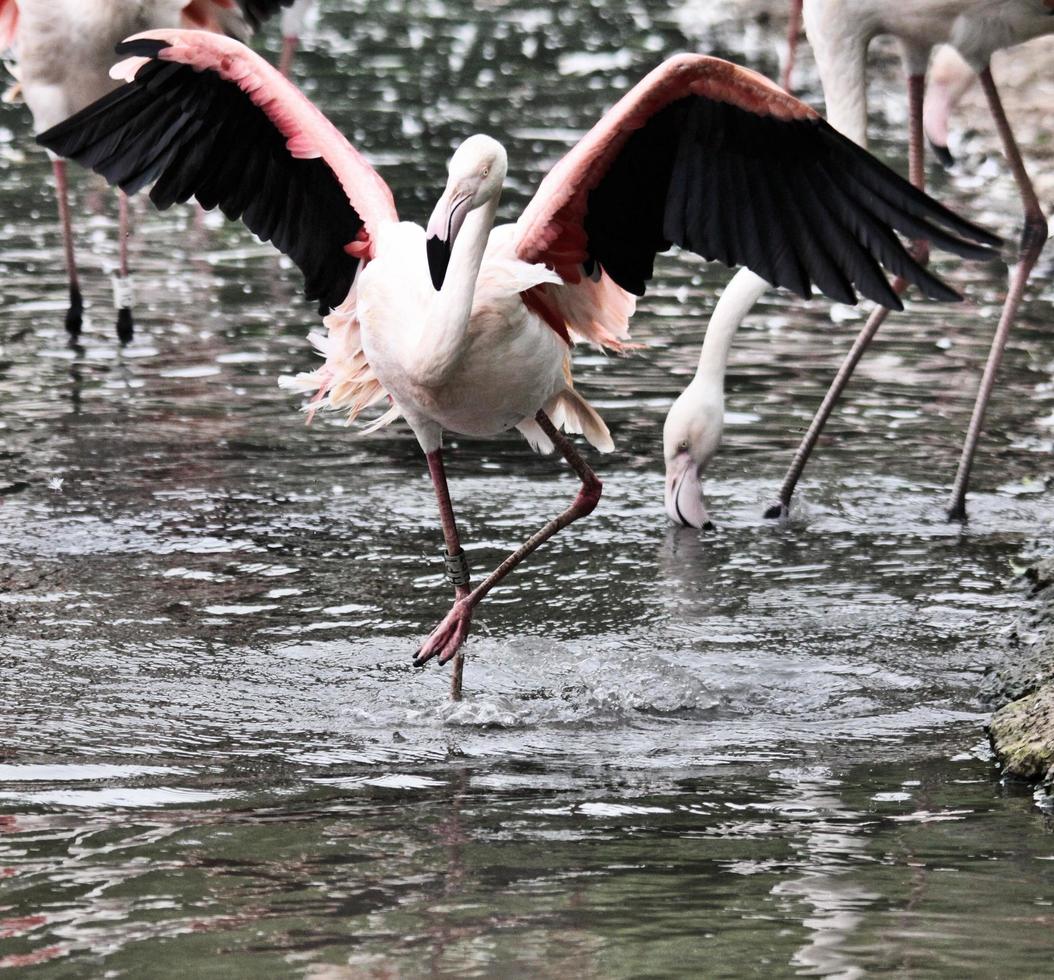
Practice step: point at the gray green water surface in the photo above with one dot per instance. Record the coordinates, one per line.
(752, 752)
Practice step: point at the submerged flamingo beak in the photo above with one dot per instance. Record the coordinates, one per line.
(446, 221)
(936, 114)
(684, 493)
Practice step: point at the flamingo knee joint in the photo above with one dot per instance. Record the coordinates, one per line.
(588, 497)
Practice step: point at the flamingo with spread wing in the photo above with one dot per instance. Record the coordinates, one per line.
(467, 327)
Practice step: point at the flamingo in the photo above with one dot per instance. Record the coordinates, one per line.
(466, 327)
(840, 32)
(64, 49)
(293, 20)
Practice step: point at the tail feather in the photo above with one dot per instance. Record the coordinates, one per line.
(576, 415)
(538, 440)
(569, 411)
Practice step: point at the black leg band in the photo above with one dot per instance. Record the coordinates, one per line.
(457, 569)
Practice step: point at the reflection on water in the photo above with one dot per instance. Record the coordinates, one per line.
(755, 751)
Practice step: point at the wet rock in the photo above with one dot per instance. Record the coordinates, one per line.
(1021, 686)
(1022, 734)
(1022, 669)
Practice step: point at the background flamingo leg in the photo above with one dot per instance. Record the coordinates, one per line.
(285, 62)
(1033, 239)
(123, 286)
(447, 637)
(75, 313)
(920, 251)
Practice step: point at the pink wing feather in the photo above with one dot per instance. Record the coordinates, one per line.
(309, 134)
(8, 23)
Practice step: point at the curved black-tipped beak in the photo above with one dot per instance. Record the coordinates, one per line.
(446, 221)
(438, 260)
(684, 493)
(943, 154)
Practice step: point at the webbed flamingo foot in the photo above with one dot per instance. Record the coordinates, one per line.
(446, 639)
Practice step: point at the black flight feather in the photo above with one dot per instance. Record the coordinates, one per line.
(794, 200)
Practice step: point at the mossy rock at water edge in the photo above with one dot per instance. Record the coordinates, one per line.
(1022, 735)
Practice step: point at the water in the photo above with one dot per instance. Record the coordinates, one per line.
(751, 752)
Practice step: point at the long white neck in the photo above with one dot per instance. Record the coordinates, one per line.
(447, 327)
(739, 297)
(839, 41)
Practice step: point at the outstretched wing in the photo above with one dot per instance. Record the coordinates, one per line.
(205, 117)
(718, 160)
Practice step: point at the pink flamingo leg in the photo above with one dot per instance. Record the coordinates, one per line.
(448, 636)
(920, 250)
(1033, 239)
(456, 565)
(125, 325)
(75, 312)
(793, 35)
(285, 63)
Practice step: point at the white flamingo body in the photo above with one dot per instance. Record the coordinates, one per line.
(487, 377)
(977, 28)
(294, 20)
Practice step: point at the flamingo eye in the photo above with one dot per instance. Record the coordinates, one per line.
(485, 171)
(683, 444)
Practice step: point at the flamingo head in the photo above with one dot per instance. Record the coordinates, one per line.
(690, 438)
(476, 173)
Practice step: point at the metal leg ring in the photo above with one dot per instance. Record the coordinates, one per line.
(457, 569)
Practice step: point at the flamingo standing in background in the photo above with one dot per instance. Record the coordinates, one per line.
(293, 20)
(466, 327)
(64, 49)
(840, 32)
